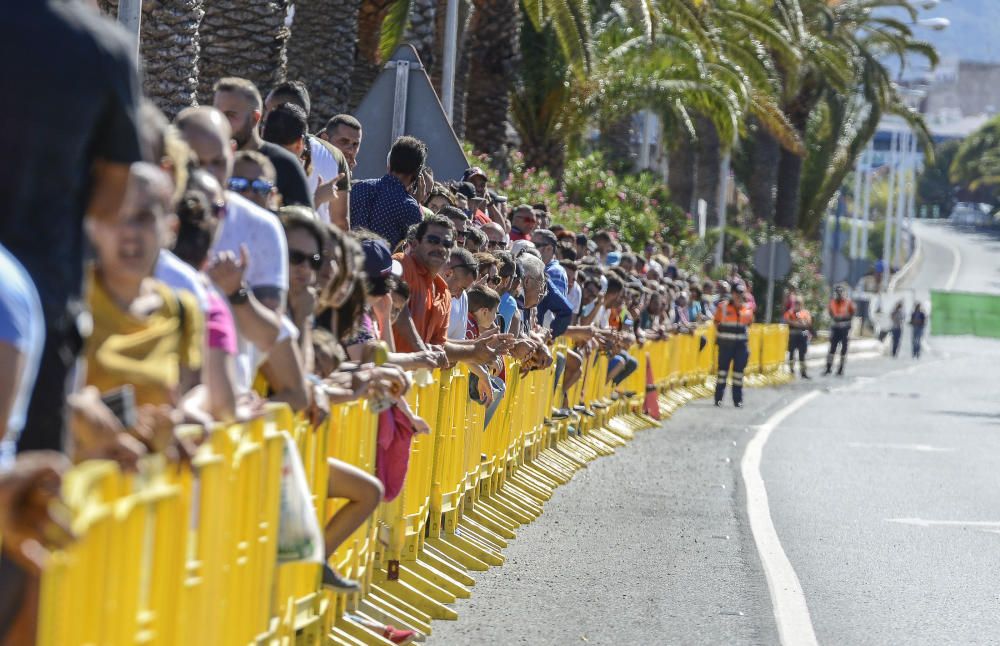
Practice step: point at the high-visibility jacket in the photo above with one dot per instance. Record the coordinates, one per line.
(798, 322)
(842, 311)
(732, 321)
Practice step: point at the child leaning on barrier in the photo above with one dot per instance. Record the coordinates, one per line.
(486, 381)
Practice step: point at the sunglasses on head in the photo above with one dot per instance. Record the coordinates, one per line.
(432, 239)
(296, 257)
(244, 184)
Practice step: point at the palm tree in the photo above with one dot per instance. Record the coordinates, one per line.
(834, 89)
(169, 48)
(493, 53)
(320, 53)
(245, 38)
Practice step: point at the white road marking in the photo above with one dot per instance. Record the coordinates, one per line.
(955, 267)
(789, 602)
(920, 522)
(927, 448)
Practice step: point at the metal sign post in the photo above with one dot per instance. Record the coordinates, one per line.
(130, 17)
(448, 64)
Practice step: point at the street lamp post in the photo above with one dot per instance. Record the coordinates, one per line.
(887, 232)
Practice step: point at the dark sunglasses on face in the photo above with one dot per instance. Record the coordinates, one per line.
(432, 239)
(244, 184)
(494, 280)
(296, 257)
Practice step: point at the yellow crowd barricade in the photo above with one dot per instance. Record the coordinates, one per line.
(187, 554)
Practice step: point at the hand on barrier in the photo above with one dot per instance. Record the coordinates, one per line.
(97, 433)
(32, 518)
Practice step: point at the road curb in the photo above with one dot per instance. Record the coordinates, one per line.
(909, 265)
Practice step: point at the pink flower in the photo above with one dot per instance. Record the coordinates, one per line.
(654, 202)
(599, 184)
(621, 195)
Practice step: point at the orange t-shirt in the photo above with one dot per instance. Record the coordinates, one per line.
(430, 304)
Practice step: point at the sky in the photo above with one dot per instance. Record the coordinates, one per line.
(974, 33)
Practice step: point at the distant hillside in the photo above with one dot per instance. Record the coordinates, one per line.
(974, 33)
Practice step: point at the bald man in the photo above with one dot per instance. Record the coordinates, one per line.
(250, 254)
(495, 235)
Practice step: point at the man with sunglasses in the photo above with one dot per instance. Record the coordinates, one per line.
(250, 253)
(254, 178)
(496, 237)
(522, 223)
(386, 206)
(429, 308)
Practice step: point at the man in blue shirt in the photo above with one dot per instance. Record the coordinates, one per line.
(385, 206)
(545, 241)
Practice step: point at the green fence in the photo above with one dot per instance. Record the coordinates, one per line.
(958, 313)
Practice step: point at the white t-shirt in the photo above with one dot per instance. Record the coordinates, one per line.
(323, 165)
(249, 362)
(459, 317)
(246, 223)
(177, 275)
(575, 297)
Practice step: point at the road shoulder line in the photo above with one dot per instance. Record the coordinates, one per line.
(787, 599)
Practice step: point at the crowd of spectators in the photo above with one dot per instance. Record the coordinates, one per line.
(234, 262)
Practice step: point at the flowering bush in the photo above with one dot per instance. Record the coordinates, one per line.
(635, 206)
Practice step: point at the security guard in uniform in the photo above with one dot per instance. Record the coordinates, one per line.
(799, 323)
(732, 320)
(841, 311)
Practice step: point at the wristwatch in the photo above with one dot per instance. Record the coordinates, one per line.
(240, 296)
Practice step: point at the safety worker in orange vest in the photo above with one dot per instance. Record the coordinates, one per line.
(732, 320)
(842, 312)
(799, 322)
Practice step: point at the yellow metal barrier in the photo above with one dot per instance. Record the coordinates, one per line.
(187, 555)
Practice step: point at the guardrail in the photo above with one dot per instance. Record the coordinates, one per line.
(187, 554)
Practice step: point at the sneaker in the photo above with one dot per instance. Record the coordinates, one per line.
(584, 410)
(738, 404)
(615, 396)
(827, 372)
(399, 636)
(718, 403)
(629, 394)
(560, 413)
(333, 581)
(805, 376)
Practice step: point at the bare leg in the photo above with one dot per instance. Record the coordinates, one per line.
(363, 493)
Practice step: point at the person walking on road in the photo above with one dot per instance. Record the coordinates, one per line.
(842, 312)
(799, 322)
(732, 320)
(918, 321)
(897, 326)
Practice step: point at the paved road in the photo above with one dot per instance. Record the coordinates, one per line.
(653, 545)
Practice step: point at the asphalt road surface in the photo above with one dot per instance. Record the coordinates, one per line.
(882, 491)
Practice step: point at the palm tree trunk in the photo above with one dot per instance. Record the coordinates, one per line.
(321, 53)
(681, 176)
(707, 175)
(169, 48)
(420, 31)
(786, 203)
(245, 38)
(616, 141)
(763, 178)
(493, 55)
(367, 62)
